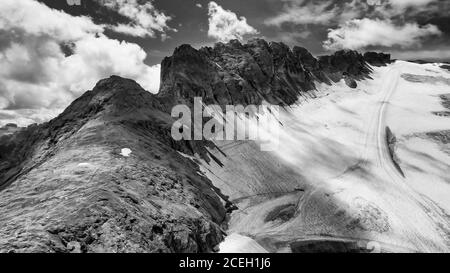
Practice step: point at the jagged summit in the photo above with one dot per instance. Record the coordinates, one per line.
(231, 73)
(237, 73)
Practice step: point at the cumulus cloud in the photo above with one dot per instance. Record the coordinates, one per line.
(198, 5)
(145, 19)
(36, 74)
(38, 20)
(361, 33)
(225, 25)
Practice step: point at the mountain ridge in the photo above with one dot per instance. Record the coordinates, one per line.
(236, 73)
(82, 195)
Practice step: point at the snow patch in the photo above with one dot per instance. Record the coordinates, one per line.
(84, 165)
(125, 152)
(336, 143)
(236, 243)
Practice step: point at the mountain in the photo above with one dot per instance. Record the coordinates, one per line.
(68, 186)
(236, 73)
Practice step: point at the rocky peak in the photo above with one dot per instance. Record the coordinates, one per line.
(115, 83)
(280, 50)
(236, 73)
(184, 72)
(114, 96)
(107, 202)
(377, 58)
(345, 64)
(117, 89)
(305, 57)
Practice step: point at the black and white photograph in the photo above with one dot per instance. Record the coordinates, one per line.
(267, 128)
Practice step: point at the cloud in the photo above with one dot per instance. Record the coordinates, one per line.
(403, 4)
(405, 9)
(37, 74)
(198, 5)
(298, 12)
(400, 5)
(38, 20)
(224, 25)
(324, 12)
(291, 38)
(25, 117)
(361, 33)
(145, 19)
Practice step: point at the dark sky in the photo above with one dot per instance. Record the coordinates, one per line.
(191, 22)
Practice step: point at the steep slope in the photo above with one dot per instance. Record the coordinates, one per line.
(331, 184)
(236, 73)
(72, 190)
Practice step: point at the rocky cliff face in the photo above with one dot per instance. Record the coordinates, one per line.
(377, 58)
(66, 187)
(249, 73)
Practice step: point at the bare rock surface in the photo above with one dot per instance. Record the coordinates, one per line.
(67, 188)
(377, 58)
(236, 73)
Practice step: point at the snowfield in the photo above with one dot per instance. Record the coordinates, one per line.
(236, 243)
(332, 184)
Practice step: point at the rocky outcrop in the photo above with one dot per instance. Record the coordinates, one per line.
(445, 66)
(67, 188)
(235, 73)
(377, 58)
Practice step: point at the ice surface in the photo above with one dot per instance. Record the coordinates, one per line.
(333, 165)
(236, 243)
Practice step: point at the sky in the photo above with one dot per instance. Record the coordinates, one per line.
(52, 51)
